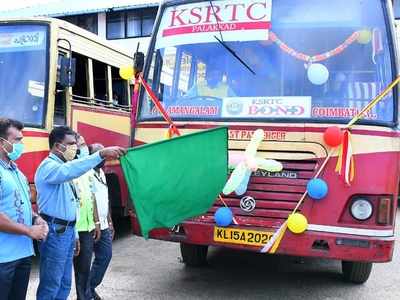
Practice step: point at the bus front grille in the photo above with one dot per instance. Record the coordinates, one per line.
(275, 194)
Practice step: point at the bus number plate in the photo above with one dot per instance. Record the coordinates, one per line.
(241, 236)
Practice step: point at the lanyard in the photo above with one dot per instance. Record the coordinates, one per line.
(99, 178)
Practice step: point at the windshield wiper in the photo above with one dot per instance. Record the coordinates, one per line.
(229, 49)
(235, 55)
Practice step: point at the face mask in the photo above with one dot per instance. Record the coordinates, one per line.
(16, 152)
(69, 152)
(83, 151)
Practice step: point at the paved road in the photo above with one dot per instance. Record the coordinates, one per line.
(152, 270)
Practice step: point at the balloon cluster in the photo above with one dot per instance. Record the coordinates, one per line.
(317, 188)
(244, 164)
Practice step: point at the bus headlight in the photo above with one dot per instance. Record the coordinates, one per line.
(361, 209)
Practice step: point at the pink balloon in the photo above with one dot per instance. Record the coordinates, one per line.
(251, 163)
(235, 158)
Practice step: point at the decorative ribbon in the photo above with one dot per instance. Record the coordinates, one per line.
(345, 163)
(315, 58)
(159, 106)
(135, 98)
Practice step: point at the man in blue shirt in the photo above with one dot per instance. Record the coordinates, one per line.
(16, 216)
(58, 205)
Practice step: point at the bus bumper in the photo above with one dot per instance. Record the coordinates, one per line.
(312, 243)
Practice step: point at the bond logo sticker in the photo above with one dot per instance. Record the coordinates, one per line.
(267, 107)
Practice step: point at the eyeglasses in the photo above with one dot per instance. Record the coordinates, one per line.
(18, 206)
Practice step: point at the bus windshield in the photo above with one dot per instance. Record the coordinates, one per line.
(271, 59)
(23, 65)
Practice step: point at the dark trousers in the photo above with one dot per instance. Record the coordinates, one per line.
(14, 279)
(102, 258)
(82, 264)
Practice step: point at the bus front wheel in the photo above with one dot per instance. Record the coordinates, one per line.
(194, 255)
(356, 272)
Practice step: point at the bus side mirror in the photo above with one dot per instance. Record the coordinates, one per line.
(67, 72)
(138, 61)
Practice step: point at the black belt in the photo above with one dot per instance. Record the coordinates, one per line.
(57, 221)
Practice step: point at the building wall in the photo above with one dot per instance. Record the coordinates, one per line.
(129, 44)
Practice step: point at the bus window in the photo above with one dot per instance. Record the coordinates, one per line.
(81, 80)
(59, 101)
(185, 68)
(119, 88)
(23, 73)
(100, 80)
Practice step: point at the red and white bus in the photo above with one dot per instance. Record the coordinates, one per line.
(291, 68)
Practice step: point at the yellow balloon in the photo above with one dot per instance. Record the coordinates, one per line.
(126, 72)
(297, 223)
(364, 36)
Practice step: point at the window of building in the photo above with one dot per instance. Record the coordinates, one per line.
(87, 21)
(81, 87)
(100, 80)
(131, 24)
(115, 25)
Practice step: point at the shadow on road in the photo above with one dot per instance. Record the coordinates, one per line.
(253, 275)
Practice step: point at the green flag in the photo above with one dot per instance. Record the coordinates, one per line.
(173, 180)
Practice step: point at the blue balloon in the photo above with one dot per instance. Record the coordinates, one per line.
(317, 188)
(223, 216)
(242, 188)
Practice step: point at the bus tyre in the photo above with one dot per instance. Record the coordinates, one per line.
(194, 255)
(356, 272)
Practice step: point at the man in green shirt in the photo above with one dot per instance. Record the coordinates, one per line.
(87, 225)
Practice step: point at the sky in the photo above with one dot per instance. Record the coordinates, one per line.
(6, 5)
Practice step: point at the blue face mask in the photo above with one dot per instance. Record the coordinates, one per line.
(16, 152)
(83, 151)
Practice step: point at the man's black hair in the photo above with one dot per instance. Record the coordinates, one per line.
(6, 124)
(58, 134)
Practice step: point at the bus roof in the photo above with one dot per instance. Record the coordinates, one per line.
(71, 28)
(76, 7)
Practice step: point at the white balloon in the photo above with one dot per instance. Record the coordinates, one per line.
(318, 74)
(269, 164)
(255, 141)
